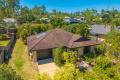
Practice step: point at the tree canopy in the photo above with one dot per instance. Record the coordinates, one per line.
(7, 73)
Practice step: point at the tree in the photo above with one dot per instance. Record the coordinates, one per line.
(112, 41)
(7, 73)
(111, 18)
(10, 7)
(58, 56)
(56, 22)
(28, 29)
(83, 29)
(26, 15)
(39, 12)
(70, 57)
(89, 15)
(68, 72)
(24, 31)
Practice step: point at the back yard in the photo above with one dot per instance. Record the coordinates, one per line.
(20, 61)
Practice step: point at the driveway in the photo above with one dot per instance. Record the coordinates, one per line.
(47, 66)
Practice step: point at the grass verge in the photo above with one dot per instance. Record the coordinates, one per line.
(21, 62)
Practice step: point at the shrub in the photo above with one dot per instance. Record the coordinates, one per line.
(68, 72)
(7, 73)
(70, 57)
(43, 76)
(58, 56)
(103, 62)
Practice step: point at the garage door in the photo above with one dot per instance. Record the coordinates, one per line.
(44, 54)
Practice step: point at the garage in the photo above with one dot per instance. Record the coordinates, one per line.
(44, 54)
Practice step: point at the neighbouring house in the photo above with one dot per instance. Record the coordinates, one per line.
(41, 46)
(10, 21)
(74, 20)
(101, 29)
(46, 20)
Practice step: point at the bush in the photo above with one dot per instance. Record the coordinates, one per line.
(7, 73)
(70, 57)
(43, 77)
(58, 56)
(103, 62)
(68, 72)
(26, 30)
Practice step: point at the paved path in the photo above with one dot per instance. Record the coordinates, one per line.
(47, 66)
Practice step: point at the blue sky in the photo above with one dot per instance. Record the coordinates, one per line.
(72, 5)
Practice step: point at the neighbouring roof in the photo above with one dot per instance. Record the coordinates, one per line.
(70, 20)
(100, 29)
(10, 20)
(57, 38)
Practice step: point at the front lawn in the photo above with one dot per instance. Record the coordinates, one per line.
(21, 62)
(4, 42)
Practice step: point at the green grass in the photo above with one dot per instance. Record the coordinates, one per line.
(4, 42)
(20, 61)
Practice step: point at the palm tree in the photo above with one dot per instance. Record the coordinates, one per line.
(111, 18)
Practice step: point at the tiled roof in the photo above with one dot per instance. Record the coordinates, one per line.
(57, 38)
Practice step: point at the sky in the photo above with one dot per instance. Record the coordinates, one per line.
(72, 5)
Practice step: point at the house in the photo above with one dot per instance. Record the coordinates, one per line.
(46, 20)
(101, 29)
(74, 20)
(41, 46)
(10, 21)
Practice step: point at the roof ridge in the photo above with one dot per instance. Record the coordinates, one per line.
(41, 39)
(70, 37)
(56, 36)
(70, 40)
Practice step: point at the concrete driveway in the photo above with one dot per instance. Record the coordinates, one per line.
(47, 66)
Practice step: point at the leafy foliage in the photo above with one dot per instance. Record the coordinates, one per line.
(83, 29)
(68, 72)
(58, 56)
(7, 73)
(112, 41)
(43, 76)
(9, 8)
(26, 30)
(70, 57)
